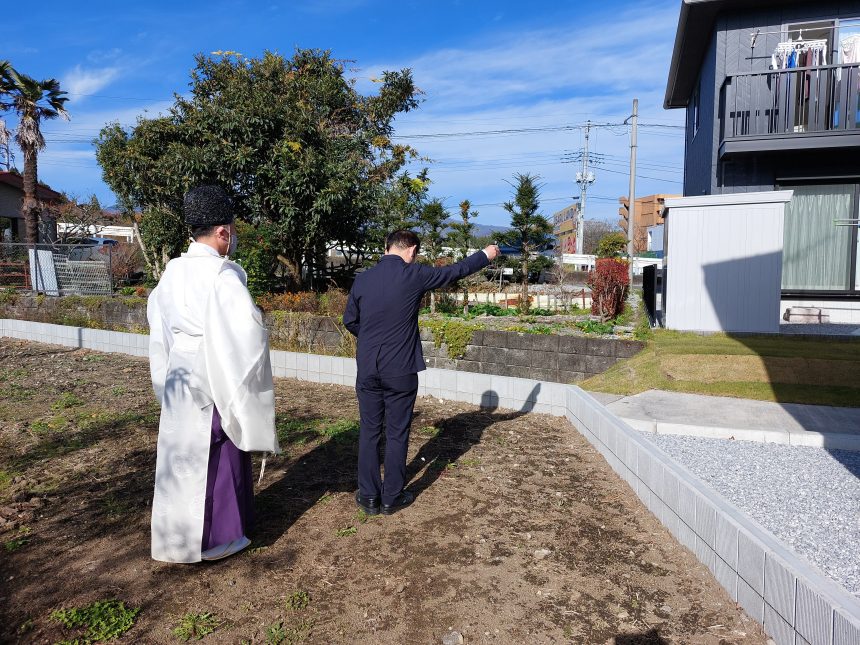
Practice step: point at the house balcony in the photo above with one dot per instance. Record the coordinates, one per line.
(807, 108)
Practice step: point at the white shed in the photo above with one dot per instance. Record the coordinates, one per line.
(723, 262)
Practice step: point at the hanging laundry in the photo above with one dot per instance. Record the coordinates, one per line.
(850, 49)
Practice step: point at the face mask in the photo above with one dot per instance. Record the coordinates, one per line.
(234, 242)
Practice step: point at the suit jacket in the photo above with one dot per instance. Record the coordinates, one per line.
(382, 311)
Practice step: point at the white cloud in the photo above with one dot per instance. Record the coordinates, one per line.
(628, 51)
(68, 163)
(80, 82)
(550, 77)
(103, 55)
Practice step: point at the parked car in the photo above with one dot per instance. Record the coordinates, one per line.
(90, 248)
(547, 250)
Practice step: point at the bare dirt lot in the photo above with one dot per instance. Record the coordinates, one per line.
(520, 534)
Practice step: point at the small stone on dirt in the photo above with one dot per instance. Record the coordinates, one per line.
(452, 638)
(540, 554)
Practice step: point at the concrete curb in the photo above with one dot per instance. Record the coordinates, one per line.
(830, 440)
(794, 602)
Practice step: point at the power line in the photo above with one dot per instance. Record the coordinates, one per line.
(621, 172)
(474, 133)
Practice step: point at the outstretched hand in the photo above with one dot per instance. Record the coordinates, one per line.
(493, 251)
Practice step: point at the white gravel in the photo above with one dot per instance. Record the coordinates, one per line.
(808, 497)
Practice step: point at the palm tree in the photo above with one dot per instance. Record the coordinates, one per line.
(5, 87)
(33, 101)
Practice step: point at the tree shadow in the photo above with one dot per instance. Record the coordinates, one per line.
(326, 469)
(651, 637)
(330, 467)
(456, 437)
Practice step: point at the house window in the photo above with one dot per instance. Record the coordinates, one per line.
(820, 239)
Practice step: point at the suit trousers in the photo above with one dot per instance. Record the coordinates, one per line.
(389, 400)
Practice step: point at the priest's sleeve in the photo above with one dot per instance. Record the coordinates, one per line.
(234, 367)
(159, 345)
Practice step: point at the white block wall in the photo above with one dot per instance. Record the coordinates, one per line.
(796, 604)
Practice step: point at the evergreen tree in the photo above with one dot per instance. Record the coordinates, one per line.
(432, 222)
(462, 238)
(531, 231)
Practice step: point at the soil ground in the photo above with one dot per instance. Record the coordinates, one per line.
(520, 534)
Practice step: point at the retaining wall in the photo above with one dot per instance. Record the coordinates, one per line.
(796, 604)
(562, 359)
(543, 357)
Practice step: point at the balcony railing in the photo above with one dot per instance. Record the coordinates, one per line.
(806, 101)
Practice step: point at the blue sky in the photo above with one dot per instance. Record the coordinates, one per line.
(483, 66)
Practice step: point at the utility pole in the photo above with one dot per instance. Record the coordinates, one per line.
(584, 178)
(631, 197)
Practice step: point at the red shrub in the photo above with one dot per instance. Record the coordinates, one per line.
(609, 283)
(301, 301)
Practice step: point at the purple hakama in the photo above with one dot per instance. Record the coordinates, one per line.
(229, 512)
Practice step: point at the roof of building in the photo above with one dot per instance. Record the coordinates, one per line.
(695, 25)
(15, 180)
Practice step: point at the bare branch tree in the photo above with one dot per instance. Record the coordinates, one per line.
(79, 219)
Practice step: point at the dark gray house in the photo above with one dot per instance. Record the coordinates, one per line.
(772, 94)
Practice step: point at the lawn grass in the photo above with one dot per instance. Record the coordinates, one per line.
(765, 368)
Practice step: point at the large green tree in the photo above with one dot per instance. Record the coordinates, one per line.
(400, 203)
(530, 231)
(33, 102)
(300, 149)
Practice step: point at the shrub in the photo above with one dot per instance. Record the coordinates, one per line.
(126, 259)
(333, 303)
(612, 245)
(524, 306)
(609, 283)
(541, 312)
(302, 301)
(594, 327)
(487, 308)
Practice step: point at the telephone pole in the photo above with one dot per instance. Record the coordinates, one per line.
(584, 178)
(631, 197)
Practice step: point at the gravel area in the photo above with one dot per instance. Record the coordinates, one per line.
(808, 497)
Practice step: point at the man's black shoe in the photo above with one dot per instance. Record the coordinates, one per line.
(369, 505)
(403, 500)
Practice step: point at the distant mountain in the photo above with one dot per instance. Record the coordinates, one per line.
(481, 230)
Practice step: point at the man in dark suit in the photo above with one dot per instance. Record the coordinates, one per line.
(382, 312)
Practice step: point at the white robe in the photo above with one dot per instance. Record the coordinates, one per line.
(208, 345)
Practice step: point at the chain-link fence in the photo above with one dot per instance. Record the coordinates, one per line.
(57, 269)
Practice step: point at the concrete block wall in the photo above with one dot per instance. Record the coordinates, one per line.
(795, 602)
(99, 340)
(562, 359)
(792, 600)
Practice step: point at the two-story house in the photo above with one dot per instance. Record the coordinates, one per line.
(772, 94)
